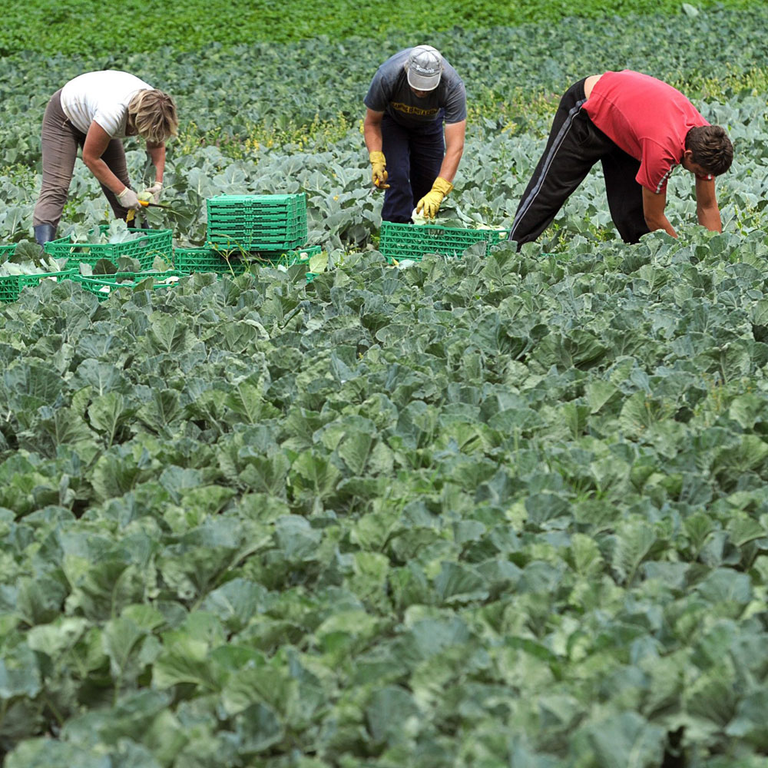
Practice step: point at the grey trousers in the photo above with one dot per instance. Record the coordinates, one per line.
(60, 142)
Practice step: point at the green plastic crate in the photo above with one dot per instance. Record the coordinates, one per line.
(222, 262)
(270, 231)
(249, 223)
(255, 226)
(257, 237)
(306, 253)
(6, 251)
(263, 200)
(257, 205)
(103, 285)
(408, 241)
(191, 260)
(265, 215)
(256, 244)
(256, 212)
(12, 285)
(150, 244)
(257, 222)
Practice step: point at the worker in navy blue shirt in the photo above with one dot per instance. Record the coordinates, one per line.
(410, 96)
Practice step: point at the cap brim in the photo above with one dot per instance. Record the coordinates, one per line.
(422, 83)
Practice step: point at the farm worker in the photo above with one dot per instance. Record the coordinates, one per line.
(95, 111)
(410, 96)
(639, 128)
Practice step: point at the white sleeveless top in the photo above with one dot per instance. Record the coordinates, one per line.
(101, 97)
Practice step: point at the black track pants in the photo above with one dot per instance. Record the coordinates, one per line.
(573, 147)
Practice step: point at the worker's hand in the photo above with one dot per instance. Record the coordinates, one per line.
(379, 173)
(155, 190)
(429, 205)
(129, 199)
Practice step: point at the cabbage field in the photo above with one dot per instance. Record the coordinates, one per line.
(505, 511)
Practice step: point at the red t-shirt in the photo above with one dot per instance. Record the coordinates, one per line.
(647, 118)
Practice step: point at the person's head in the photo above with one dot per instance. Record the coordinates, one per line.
(708, 150)
(424, 68)
(152, 115)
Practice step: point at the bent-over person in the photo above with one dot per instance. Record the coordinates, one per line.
(95, 111)
(640, 129)
(409, 98)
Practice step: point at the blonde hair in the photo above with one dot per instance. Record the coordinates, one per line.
(153, 113)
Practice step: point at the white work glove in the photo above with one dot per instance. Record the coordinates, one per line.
(155, 190)
(129, 199)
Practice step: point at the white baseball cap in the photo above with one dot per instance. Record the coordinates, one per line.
(424, 68)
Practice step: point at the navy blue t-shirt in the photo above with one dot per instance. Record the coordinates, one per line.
(389, 92)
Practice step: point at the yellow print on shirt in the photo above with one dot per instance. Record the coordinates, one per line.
(410, 110)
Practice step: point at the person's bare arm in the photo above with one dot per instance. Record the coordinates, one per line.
(157, 155)
(707, 209)
(372, 130)
(454, 148)
(653, 210)
(96, 143)
(589, 83)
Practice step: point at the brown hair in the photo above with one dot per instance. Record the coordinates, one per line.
(153, 113)
(711, 147)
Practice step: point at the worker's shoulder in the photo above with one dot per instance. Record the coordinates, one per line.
(451, 80)
(395, 62)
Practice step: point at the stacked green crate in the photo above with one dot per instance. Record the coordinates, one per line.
(257, 223)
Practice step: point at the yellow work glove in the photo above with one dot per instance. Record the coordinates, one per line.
(429, 205)
(379, 173)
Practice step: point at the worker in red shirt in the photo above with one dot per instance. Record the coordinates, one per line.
(639, 128)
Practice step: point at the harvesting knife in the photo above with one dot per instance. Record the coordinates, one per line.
(132, 214)
(157, 205)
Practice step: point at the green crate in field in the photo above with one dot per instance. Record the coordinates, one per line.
(306, 253)
(223, 262)
(6, 251)
(257, 238)
(191, 260)
(249, 243)
(12, 285)
(408, 241)
(246, 220)
(104, 285)
(275, 201)
(258, 206)
(150, 244)
(269, 229)
(257, 222)
(264, 215)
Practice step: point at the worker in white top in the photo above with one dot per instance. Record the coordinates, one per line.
(95, 111)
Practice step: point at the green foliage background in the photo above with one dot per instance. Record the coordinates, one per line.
(480, 512)
(142, 26)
